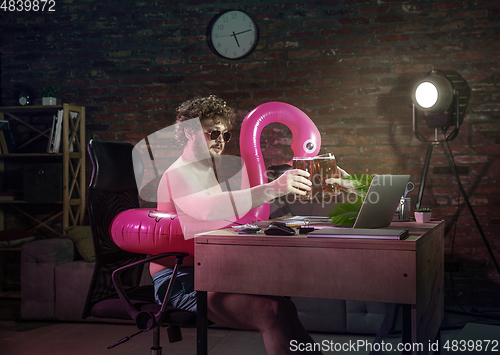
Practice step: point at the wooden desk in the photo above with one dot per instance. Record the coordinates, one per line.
(409, 272)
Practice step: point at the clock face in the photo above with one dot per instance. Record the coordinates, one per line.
(24, 99)
(232, 34)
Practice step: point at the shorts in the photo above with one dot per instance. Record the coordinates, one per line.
(183, 295)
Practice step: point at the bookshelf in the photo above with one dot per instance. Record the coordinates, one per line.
(71, 156)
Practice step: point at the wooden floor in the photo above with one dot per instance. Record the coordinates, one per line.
(480, 300)
(27, 338)
(93, 339)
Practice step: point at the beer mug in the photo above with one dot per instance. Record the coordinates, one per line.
(306, 164)
(327, 169)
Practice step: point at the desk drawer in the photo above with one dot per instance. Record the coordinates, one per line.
(350, 274)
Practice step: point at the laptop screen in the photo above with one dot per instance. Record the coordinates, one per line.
(382, 199)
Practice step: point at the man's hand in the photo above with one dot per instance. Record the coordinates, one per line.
(345, 185)
(292, 181)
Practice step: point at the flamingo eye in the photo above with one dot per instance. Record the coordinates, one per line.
(308, 146)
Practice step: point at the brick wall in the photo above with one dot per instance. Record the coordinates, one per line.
(349, 64)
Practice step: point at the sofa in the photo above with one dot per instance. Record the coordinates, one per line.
(56, 273)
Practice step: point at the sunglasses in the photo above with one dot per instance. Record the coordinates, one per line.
(215, 134)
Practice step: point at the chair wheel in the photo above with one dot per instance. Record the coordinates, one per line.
(174, 333)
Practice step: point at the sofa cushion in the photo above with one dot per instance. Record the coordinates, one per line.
(82, 237)
(365, 317)
(321, 315)
(38, 261)
(72, 281)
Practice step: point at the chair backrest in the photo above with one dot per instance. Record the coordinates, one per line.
(112, 190)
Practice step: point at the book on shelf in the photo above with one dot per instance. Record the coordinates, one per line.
(55, 136)
(58, 128)
(6, 196)
(3, 143)
(50, 144)
(7, 138)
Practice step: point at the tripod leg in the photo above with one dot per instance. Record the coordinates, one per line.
(466, 198)
(424, 175)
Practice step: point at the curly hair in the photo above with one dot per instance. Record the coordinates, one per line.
(206, 108)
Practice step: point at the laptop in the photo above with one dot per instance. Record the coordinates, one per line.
(377, 211)
(382, 199)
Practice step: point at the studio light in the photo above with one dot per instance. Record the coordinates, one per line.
(426, 95)
(441, 97)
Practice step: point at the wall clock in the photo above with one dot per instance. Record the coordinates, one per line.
(232, 34)
(24, 99)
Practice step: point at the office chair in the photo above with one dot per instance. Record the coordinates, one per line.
(114, 291)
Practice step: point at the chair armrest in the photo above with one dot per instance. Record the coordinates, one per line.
(146, 320)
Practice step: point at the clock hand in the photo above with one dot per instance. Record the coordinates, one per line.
(236, 39)
(242, 32)
(231, 35)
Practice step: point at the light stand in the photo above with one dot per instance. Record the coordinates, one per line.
(457, 107)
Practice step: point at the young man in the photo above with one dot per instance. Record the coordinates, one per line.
(190, 187)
